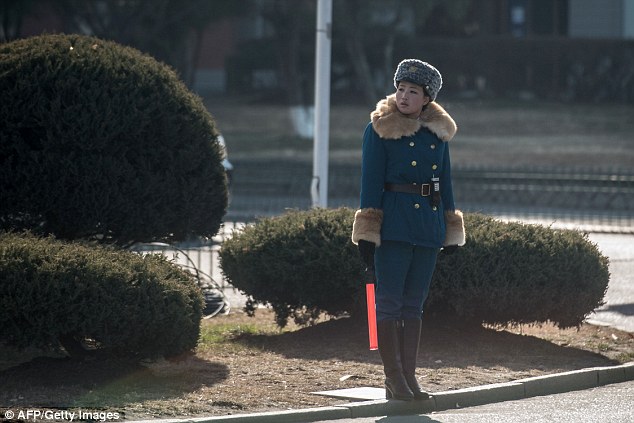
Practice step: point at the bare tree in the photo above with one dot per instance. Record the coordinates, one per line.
(12, 13)
(170, 30)
(351, 24)
(376, 25)
(293, 28)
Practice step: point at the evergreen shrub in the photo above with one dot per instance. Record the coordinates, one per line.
(303, 263)
(123, 303)
(99, 141)
(514, 273)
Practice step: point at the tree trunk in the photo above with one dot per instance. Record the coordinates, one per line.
(353, 33)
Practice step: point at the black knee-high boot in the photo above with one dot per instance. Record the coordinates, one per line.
(409, 334)
(389, 348)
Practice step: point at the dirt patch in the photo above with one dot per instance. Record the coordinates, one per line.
(247, 365)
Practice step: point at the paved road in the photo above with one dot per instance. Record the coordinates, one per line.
(606, 404)
(618, 311)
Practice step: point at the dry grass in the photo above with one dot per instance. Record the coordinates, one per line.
(247, 364)
(489, 133)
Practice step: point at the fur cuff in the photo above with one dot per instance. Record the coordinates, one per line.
(455, 229)
(367, 226)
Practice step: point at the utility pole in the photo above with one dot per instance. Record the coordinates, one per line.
(319, 185)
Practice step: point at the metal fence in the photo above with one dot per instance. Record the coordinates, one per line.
(200, 257)
(596, 199)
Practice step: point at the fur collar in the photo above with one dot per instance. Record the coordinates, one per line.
(389, 123)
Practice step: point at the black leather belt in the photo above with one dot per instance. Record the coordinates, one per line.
(423, 189)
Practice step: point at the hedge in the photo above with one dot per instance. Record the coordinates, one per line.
(99, 141)
(303, 263)
(118, 301)
(514, 273)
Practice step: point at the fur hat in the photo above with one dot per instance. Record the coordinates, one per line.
(420, 73)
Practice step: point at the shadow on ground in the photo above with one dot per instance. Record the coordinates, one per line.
(624, 309)
(442, 346)
(407, 419)
(103, 382)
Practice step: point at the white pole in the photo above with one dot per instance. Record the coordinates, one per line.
(319, 185)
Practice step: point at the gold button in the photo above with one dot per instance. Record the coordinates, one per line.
(417, 206)
(413, 162)
(433, 146)
(411, 144)
(434, 167)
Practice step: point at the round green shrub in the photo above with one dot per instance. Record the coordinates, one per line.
(99, 141)
(122, 302)
(303, 263)
(514, 273)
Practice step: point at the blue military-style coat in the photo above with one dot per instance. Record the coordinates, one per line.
(401, 150)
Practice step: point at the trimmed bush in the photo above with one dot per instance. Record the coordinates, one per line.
(124, 303)
(513, 273)
(99, 141)
(303, 263)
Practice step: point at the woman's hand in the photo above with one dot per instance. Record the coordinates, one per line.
(366, 250)
(449, 249)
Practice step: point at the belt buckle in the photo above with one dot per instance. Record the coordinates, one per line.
(425, 190)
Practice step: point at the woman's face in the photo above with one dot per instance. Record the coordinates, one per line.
(410, 99)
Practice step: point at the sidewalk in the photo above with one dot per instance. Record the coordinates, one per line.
(441, 401)
(606, 404)
(618, 311)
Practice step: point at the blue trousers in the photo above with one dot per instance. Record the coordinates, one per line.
(403, 273)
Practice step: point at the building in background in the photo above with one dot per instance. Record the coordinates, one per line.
(230, 46)
(601, 19)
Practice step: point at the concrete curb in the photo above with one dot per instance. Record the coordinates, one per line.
(524, 388)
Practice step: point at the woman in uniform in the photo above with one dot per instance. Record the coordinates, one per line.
(407, 214)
